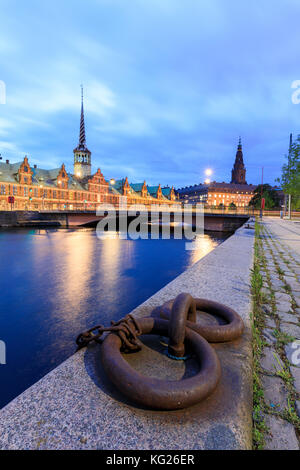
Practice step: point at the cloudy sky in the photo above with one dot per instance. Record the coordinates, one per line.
(169, 85)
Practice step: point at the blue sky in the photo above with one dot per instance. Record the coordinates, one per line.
(169, 85)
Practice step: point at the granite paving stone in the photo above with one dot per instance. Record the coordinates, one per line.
(275, 392)
(278, 285)
(268, 336)
(292, 351)
(270, 323)
(283, 436)
(290, 329)
(294, 285)
(270, 361)
(283, 301)
(295, 371)
(287, 317)
(298, 407)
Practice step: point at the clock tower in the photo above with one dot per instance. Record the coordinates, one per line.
(239, 170)
(82, 155)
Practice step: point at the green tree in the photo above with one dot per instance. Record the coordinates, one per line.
(232, 205)
(269, 194)
(290, 177)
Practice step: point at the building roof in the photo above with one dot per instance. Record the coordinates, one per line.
(9, 173)
(214, 187)
(166, 191)
(191, 189)
(230, 187)
(137, 187)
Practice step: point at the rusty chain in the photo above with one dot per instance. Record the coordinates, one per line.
(127, 329)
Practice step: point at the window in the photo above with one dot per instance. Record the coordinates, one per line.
(15, 190)
(54, 193)
(36, 192)
(3, 189)
(25, 192)
(25, 179)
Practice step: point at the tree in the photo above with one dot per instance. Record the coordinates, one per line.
(232, 205)
(221, 206)
(290, 177)
(269, 194)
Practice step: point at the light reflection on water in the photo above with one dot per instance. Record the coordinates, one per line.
(54, 284)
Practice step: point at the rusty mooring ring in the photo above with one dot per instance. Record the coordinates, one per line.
(212, 333)
(162, 394)
(183, 310)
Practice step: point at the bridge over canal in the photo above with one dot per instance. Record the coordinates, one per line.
(213, 221)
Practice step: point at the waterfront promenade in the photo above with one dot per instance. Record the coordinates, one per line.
(74, 407)
(279, 368)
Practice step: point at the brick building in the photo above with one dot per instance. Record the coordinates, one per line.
(34, 188)
(214, 194)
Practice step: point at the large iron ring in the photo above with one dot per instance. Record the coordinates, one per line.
(212, 333)
(156, 393)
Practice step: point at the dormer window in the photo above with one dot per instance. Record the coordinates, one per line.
(26, 169)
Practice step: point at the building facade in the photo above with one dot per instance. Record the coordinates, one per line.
(26, 187)
(235, 194)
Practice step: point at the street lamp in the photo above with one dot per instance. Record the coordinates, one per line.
(262, 194)
(208, 172)
(112, 181)
(207, 181)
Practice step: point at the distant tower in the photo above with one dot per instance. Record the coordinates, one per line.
(239, 170)
(82, 155)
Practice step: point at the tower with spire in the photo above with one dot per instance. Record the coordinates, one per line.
(239, 170)
(82, 155)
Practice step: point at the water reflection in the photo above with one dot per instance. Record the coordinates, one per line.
(202, 245)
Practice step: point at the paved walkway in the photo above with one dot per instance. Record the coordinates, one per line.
(286, 232)
(280, 364)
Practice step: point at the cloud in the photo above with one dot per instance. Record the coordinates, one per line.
(169, 85)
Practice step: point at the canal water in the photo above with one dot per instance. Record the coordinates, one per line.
(56, 283)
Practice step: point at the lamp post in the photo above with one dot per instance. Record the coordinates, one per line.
(261, 195)
(208, 172)
(289, 172)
